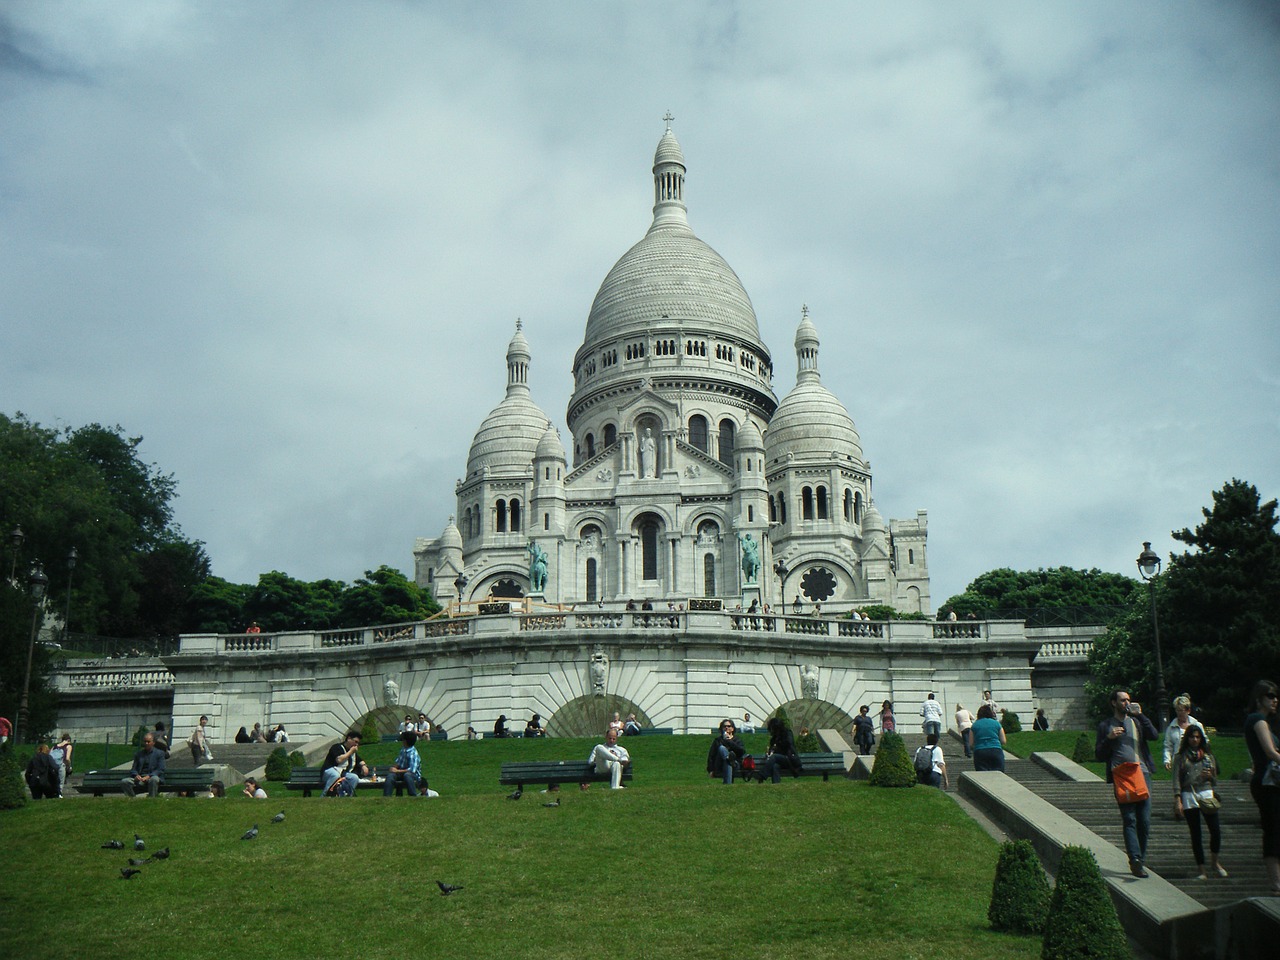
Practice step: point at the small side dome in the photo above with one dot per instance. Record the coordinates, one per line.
(749, 437)
(451, 539)
(509, 435)
(872, 523)
(550, 447)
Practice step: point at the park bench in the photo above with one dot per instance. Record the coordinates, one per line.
(305, 779)
(553, 773)
(813, 765)
(645, 731)
(178, 780)
(434, 735)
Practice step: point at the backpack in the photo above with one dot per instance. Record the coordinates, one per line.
(923, 762)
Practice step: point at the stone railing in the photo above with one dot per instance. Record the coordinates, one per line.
(1065, 649)
(692, 623)
(90, 676)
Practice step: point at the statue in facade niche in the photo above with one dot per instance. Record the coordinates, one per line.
(599, 671)
(648, 454)
(537, 568)
(750, 558)
(809, 681)
(391, 692)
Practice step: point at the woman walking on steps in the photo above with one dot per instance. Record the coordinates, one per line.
(1195, 775)
(1260, 736)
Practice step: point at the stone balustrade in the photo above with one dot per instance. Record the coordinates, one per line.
(87, 675)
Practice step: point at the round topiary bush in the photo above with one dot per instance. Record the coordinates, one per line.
(1082, 920)
(278, 765)
(13, 790)
(1010, 721)
(369, 731)
(296, 759)
(892, 766)
(1020, 893)
(1083, 751)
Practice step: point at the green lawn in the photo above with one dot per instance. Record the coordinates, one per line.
(674, 867)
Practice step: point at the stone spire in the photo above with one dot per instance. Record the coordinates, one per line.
(806, 349)
(668, 181)
(518, 357)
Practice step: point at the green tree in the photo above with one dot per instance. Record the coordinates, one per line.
(385, 595)
(1006, 589)
(1219, 609)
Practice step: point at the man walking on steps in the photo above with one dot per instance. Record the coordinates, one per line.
(1122, 746)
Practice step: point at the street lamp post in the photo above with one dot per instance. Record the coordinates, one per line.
(16, 538)
(780, 569)
(1149, 569)
(38, 583)
(71, 566)
(459, 583)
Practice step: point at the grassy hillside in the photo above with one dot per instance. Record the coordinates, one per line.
(675, 866)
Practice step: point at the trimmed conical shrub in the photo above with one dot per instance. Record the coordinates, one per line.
(1083, 752)
(1020, 893)
(1010, 721)
(278, 765)
(1082, 920)
(892, 767)
(13, 790)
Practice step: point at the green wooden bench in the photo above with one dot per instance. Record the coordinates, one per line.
(646, 731)
(553, 773)
(180, 780)
(305, 779)
(812, 765)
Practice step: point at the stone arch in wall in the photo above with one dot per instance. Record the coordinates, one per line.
(816, 715)
(589, 716)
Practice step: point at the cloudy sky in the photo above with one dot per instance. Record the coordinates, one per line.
(286, 243)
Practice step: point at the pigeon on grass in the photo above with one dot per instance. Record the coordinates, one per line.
(251, 833)
(447, 888)
(113, 845)
(278, 818)
(161, 854)
(128, 873)
(139, 843)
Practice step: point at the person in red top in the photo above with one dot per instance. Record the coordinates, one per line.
(253, 628)
(6, 729)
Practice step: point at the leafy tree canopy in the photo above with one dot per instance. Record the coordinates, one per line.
(1006, 589)
(1219, 612)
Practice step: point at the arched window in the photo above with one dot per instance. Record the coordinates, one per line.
(822, 503)
(546, 521)
(727, 428)
(591, 580)
(591, 446)
(782, 508)
(610, 434)
(649, 549)
(515, 515)
(466, 523)
(806, 503)
(857, 507)
(848, 504)
(500, 516)
(751, 513)
(698, 432)
(773, 510)
(709, 575)
(911, 557)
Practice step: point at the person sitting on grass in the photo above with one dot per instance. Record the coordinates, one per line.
(253, 790)
(610, 758)
(534, 727)
(726, 753)
(407, 769)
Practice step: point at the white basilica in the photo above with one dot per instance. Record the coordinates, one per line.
(681, 452)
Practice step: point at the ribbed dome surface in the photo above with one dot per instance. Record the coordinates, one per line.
(671, 273)
(811, 423)
(508, 436)
(749, 437)
(451, 539)
(550, 447)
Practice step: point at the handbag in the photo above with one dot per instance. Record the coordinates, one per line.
(1129, 783)
(1271, 776)
(1208, 801)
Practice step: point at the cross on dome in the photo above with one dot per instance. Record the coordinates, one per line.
(668, 118)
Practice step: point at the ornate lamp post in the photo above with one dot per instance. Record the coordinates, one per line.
(16, 539)
(71, 566)
(459, 584)
(38, 583)
(780, 569)
(1149, 569)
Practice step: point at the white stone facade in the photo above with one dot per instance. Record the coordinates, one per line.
(680, 450)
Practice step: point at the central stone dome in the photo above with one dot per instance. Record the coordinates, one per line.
(671, 275)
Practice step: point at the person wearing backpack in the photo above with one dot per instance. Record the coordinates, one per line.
(61, 754)
(931, 767)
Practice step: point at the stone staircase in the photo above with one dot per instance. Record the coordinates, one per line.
(1169, 844)
(241, 757)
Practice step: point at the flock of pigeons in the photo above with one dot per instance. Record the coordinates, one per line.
(140, 846)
